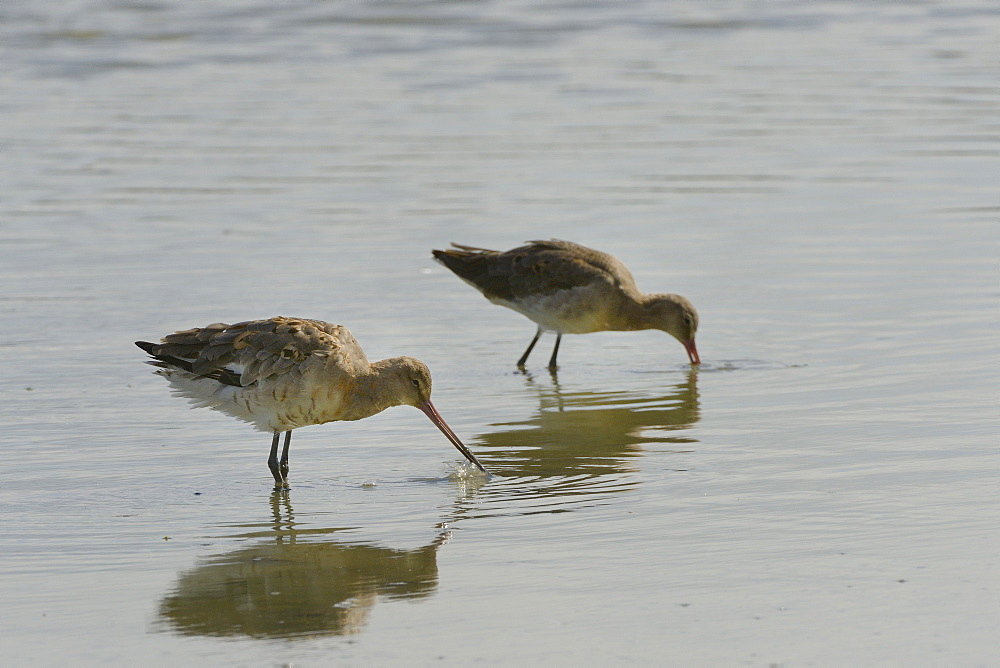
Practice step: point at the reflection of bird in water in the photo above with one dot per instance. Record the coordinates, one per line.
(580, 447)
(283, 373)
(592, 433)
(296, 585)
(567, 288)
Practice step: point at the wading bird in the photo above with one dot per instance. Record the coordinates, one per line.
(567, 288)
(283, 373)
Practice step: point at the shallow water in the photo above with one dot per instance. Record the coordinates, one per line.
(820, 179)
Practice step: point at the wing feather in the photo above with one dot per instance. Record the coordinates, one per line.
(536, 269)
(257, 349)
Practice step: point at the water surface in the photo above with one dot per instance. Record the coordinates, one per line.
(819, 178)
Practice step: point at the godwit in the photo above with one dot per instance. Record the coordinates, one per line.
(283, 373)
(567, 288)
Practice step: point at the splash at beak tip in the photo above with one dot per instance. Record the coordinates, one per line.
(428, 409)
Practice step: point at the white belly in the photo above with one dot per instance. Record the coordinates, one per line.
(269, 406)
(575, 311)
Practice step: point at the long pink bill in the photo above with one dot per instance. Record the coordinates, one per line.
(692, 351)
(428, 408)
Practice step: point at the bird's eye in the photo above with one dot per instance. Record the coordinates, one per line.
(416, 383)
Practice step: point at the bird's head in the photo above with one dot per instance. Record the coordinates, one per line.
(676, 316)
(413, 380)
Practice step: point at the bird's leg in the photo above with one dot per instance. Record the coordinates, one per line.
(272, 463)
(524, 357)
(283, 464)
(555, 351)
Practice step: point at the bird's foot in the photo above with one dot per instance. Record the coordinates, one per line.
(280, 474)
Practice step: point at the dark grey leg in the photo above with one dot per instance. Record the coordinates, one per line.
(524, 357)
(555, 351)
(272, 462)
(283, 464)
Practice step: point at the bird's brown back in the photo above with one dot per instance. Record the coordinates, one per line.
(537, 268)
(262, 348)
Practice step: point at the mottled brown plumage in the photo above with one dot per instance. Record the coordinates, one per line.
(283, 373)
(570, 289)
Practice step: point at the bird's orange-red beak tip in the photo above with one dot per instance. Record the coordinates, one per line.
(692, 351)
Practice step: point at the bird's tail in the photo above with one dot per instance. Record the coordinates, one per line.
(473, 249)
(223, 375)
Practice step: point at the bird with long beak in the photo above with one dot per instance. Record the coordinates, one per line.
(567, 288)
(280, 374)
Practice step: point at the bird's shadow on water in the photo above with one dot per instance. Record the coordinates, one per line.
(296, 582)
(579, 447)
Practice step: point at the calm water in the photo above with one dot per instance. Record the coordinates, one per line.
(822, 179)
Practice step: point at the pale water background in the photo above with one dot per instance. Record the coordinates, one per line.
(822, 179)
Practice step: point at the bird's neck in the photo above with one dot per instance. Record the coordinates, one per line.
(633, 313)
(370, 393)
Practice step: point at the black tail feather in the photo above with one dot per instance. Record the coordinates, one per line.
(223, 375)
